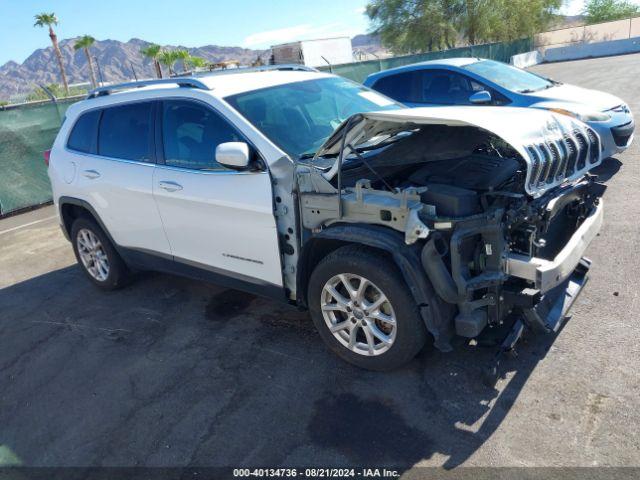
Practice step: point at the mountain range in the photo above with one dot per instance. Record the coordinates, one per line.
(117, 61)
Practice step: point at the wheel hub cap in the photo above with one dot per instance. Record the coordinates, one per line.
(92, 254)
(358, 314)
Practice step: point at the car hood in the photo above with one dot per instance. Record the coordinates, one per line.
(593, 99)
(520, 127)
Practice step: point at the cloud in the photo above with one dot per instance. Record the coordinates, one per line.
(279, 35)
(360, 11)
(298, 32)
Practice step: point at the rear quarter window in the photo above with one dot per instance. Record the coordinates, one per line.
(84, 133)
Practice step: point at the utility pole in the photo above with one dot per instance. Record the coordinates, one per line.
(99, 71)
(133, 70)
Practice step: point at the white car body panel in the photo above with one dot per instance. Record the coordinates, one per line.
(122, 196)
(223, 220)
(518, 127)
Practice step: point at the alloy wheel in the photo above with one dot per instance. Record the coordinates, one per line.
(92, 254)
(358, 314)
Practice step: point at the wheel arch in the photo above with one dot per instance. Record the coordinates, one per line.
(437, 315)
(72, 208)
(406, 258)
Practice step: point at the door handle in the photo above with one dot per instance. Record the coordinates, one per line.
(91, 174)
(170, 186)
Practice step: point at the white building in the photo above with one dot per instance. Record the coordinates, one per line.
(314, 53)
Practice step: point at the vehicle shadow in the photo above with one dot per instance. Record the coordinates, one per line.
(607, 169)
(172, 372)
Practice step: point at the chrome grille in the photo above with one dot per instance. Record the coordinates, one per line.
(548, 164)
(594, 151)
(572, 156)
(563, 152)
(554, 161)
(583, 149)
(535, 165)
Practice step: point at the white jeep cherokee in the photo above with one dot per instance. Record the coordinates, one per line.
(391, 225)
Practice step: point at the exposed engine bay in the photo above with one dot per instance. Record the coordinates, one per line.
(500, 223)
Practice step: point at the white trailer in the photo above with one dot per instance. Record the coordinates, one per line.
(314, 53)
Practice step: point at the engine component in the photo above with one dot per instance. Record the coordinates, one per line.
(475, 172)
(451, 201)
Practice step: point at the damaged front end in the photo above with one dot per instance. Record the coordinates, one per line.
(498, 206)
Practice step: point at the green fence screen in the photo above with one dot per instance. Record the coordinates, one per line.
(26, 131)
(502, 51)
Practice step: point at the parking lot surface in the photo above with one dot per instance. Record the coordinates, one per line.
(174, 372)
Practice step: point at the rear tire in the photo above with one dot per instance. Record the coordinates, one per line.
(363, 310)
(97, 256)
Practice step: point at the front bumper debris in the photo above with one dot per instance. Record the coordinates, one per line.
(548, 274)
(549, 314)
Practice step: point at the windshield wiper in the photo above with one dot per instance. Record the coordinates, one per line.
(532, 90)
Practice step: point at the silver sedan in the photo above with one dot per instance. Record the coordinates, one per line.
(475, 81)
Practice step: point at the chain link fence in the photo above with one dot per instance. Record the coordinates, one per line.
(502, 51)
(26, 131)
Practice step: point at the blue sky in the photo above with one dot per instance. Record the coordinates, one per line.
(248, 23)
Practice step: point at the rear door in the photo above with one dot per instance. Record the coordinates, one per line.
(215, 218)
(115, 175)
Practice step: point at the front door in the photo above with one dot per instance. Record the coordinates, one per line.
(215, 218)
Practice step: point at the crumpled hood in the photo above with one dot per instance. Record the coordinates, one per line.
(519, 127)
(589, 99)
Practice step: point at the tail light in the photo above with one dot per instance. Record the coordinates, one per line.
(47, 156)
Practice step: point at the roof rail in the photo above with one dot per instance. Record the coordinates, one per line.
(262, 68)
(180, 81)
(284, 66)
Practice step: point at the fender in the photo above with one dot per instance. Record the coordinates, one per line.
(436, 314)
(62, 201)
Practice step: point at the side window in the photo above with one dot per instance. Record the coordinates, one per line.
(451, 88)
(125, 132)
(402, 87)
(496, 97)
(191, 133)
(445, 87)
(84, 133)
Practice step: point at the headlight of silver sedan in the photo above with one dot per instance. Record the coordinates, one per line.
(587, 116)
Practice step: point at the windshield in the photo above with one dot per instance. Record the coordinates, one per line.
(509, 77)
(300, 116)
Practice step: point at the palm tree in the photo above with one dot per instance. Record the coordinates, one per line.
(84, 43)
(168, 58)
(153, 52)
(184, 56)
(50, 19)
(196, 62)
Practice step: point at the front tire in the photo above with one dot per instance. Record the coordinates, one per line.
(97, 256)
(363, 310)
